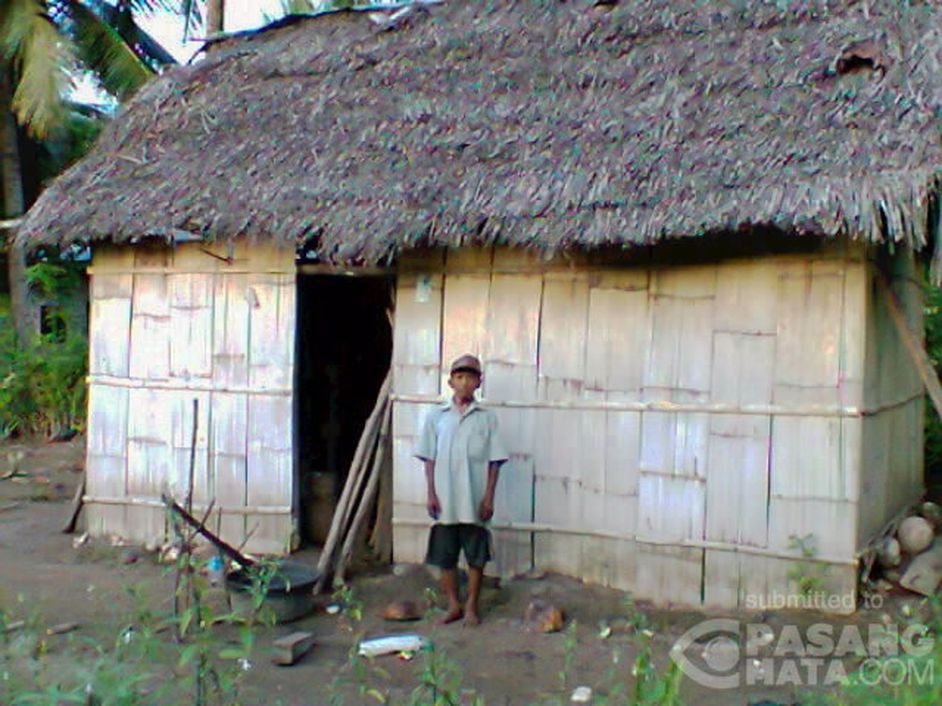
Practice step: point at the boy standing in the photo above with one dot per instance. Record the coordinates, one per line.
(462, 455)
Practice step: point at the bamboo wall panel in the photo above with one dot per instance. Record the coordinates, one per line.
(807, 364)
(228, 461)
(231, 332)
(747, 298)
(563, 321)
(669, 574)
(670, 508)
(191, 325)
(416, 359)
(110, 324)
(181, 426)
(740, 339)
(618, 337)
(149, 460)
(464, 319)
(269, 471)
(150, 328)
(271, 325)
(106, 465)
(513, 317)
(513, 550)
(622, 451)
(417, 334)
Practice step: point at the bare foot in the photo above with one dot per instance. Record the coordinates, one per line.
(451, 616)
(471, 619)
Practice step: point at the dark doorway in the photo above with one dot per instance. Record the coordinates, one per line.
(344, 351)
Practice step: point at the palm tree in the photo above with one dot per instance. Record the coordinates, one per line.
(44, 44)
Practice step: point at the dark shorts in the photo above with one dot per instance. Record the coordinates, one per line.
(445, 542)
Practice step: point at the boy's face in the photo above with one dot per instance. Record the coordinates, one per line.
(464, 383)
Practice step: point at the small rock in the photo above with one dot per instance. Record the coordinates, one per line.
(915, 535)
(931, 512)
(401, 611)
(130, 557)
(543, 616)
(924, 573)
(581, 695)
(889, 552)
(883, 585)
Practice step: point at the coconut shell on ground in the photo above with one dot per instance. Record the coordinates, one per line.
(401, 611)
(915, 535)
(543, 617)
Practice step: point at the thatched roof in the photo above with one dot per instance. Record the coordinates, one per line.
(533, 122)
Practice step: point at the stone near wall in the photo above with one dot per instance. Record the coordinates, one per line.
(915, 535)
(924, 573)
(889, 553)
(931, 512)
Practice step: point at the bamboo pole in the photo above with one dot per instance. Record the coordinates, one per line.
(366, 501)
(351, 486)
(630, 537)
(668, 406)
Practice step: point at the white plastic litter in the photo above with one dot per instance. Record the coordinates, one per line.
(390, 644)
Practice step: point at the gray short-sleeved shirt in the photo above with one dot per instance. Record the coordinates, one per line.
(462, 447)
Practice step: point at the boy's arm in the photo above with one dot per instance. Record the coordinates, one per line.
(432, 504)
(486, 511)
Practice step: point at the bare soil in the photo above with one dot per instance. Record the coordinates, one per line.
(42, 573)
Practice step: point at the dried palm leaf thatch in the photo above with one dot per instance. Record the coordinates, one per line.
(536, 123)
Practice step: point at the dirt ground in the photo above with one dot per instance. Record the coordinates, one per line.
(41, 572)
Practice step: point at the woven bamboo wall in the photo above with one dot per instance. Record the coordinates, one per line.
(169, 326)
(672, 429)
(892, 459)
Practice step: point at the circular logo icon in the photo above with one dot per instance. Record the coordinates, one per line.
(720, 653)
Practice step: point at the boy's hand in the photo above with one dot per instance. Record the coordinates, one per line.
(433, 506)
(486, 511)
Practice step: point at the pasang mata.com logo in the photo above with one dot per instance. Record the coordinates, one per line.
(723, 653)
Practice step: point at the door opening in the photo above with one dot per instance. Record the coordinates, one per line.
(344, 352)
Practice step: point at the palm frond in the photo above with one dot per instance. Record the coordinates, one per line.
(40, 59)
(121, 18)
(16, 22)
(102, 49)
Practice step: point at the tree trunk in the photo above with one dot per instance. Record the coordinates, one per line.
(13, 206)
(215, 9)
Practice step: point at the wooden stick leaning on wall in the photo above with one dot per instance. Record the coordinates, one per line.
(369, 493)
(353, 483)
(913, 343)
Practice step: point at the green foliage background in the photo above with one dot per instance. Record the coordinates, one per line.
(933, 439)
(42, 382)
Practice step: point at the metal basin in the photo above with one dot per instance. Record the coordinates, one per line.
(290, 593)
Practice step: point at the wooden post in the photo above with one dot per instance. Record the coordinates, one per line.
(353, 482)
(366, 501)
(913, 343)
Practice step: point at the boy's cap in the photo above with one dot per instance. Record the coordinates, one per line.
(466, 362)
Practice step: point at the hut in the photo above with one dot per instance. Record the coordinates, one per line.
(670, 230)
